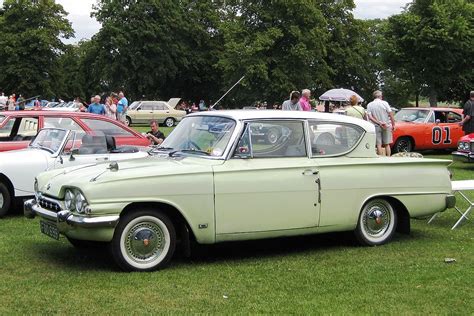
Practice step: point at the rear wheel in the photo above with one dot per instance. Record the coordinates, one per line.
(403, 144)
(128, 121)
(169, 122)
(144, 240)
(377, 223)
(5, 199)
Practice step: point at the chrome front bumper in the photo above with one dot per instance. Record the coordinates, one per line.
(66, 220)
(464, 157)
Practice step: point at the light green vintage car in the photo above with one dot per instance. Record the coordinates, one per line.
(239, 175)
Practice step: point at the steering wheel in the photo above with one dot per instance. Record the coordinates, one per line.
(193, 144)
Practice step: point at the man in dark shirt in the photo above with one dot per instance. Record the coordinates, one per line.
(155, 136)
(467, 122)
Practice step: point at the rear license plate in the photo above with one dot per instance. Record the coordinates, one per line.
(49, 229)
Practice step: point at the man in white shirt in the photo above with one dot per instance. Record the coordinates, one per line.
(3, 101)
(381, 115)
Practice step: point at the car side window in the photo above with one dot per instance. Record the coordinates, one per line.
(329, 139)
(6, 130)
(61, 122)
(272, 139)
(146, 107)
(19, 129)
(106, 127)
(160, 107)
(454, 117)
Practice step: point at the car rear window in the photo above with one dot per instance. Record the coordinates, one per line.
(108, 128)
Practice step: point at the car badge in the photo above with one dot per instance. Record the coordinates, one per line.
(48, 186)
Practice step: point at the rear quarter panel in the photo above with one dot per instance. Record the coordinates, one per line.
(347, 184)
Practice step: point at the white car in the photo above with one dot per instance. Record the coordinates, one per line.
(69, 106)
(51, 149)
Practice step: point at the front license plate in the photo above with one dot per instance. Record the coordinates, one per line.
(49, 229)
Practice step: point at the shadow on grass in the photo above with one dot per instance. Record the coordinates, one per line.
(100, 259)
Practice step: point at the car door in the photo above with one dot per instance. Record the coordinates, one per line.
(446, 131)
(145, 113)
(81, 148)
(269, 184)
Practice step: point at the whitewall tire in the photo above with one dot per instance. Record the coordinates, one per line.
(377, 223)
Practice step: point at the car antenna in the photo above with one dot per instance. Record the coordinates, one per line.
(235, 84)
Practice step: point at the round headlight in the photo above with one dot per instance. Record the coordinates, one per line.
(80, 202)
(69, 200)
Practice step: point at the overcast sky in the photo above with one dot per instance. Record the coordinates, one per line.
(85, 26)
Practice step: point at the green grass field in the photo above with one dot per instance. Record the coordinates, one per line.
(323, 274)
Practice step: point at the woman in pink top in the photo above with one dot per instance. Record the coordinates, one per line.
(304, 101)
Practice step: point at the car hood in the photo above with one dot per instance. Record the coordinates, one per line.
(51, 182)
(467, 138)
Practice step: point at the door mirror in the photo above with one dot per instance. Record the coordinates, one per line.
(75, 151)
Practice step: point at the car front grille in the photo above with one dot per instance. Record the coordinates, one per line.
(49, 204)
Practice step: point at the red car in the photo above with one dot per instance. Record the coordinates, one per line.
(465, 150)
(18, 128)
(427, 128)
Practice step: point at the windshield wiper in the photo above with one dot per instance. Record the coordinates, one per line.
(202, 152)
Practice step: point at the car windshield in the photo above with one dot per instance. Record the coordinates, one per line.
(412, 115)
(49, 139)
(133, 105)
(200, 135)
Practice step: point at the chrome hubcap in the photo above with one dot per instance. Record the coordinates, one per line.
(169, 123)
(145, 242)
(377, 220)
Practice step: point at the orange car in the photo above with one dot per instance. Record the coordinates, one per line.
(427, 128)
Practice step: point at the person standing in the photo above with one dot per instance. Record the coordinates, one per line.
(96, 107)
(293, 103)
(304, 101)
(467, 121)
(21, 103)
(110, 108)
(155, 136)
(3, 101)
(122, 107)
(11, 103)
(381, 115)
(355, 110)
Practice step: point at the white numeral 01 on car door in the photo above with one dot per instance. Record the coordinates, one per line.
(437, 135)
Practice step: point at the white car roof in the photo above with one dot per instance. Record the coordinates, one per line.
(279, 114)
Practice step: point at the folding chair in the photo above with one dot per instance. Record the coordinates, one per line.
(459, 187)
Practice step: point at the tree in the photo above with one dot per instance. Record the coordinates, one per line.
(430, 45)
(278, 45)
(30, 43)
(158, 49)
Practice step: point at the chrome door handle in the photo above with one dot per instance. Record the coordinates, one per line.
(310, 172)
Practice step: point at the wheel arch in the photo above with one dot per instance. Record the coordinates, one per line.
(412, 139)
(403, 217)
(4, 179)
(184, 232)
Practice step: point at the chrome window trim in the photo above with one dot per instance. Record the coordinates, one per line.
(364, 132)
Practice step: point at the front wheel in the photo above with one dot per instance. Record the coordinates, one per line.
(169, 122)
(5, 199)
(403, 144)
(128, 121)
(377, 223)
(144, 240)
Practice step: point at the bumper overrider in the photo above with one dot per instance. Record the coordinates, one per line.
(463, 156)
(66, 220)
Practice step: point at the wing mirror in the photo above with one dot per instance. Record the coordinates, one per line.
(75, 151)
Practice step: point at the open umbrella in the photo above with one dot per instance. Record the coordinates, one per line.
(341, 95)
